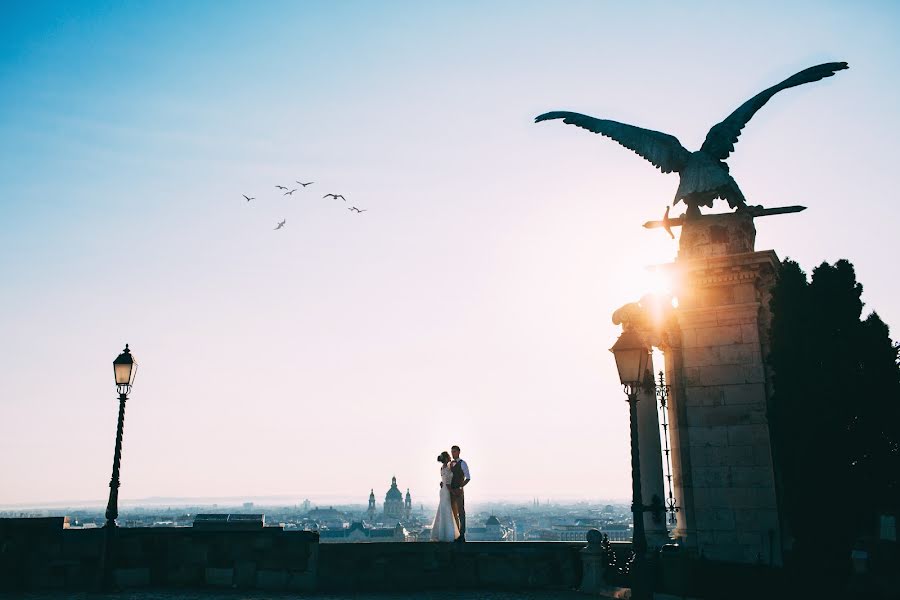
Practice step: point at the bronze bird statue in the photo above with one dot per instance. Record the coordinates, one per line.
(704, 174)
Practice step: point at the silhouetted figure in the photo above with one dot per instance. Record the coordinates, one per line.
(280, 187)
(335, 196)
(306, 184)
(704, 174)
(445, 527)
(290, 193)
(280, 225)
(353, 208)
(248, 197)
(460, 479)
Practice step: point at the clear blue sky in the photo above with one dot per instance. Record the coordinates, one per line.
(471, 304)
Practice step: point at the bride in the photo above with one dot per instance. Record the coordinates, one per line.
(444, 528)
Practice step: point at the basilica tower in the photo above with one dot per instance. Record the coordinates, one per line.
(393, 501)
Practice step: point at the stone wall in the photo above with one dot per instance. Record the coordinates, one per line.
(46, 555)
(42, 554)
(39, 554)
(435, 566)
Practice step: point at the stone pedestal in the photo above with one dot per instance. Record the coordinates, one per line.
(593, 569)
(714, 351)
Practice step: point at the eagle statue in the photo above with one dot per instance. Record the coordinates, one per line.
(704, 173)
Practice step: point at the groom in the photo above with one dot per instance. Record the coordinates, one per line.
(457, 497)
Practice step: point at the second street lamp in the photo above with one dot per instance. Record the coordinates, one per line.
(632, 358)
(124, 369)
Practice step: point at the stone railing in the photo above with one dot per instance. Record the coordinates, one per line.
(394, 566)
(44, 554)
(41, 553)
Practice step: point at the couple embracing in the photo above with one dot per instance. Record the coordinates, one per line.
(450, 521)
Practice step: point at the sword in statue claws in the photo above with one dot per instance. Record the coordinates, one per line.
(668, 222)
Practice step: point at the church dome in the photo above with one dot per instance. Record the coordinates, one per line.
(394, 493)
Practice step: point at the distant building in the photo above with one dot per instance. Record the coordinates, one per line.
(359, 532)
(618, 534)
(393, 502)
(371, 512)
(493, 531)
(327, 518)
(577, 531)
(167, 523)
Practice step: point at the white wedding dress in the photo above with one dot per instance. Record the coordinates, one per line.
(444, 528)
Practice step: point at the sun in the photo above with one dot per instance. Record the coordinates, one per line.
(659, 281)
(654, 280)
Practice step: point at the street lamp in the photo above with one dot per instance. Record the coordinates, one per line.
(124, 368)
(632, 359)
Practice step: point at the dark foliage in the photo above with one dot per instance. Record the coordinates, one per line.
(835, 416)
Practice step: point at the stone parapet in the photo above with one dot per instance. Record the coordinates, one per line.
(395, 566)
(71, 558)
(38, 554)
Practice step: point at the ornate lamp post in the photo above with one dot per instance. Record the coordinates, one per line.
(632, 359)
(124, 368)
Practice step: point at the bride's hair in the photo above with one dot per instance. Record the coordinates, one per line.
(444, 457)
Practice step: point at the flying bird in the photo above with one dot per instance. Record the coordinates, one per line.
(280, 187)
(290, 193)
(280, 225)
(248, 197)
(335, 196)
(357, 210)
(704, 174)
(306, 184)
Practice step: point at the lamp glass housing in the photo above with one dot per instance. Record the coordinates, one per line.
(632, 358)
(124, 368)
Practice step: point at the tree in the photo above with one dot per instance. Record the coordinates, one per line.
(835, 414)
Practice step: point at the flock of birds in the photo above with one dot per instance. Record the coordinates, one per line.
(290, 192)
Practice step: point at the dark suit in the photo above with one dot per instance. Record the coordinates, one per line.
(458, 498)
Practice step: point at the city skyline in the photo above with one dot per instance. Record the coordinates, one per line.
(317, 500)
(469, 305)
(356, 523)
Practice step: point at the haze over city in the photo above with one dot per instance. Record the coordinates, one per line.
(470, 304)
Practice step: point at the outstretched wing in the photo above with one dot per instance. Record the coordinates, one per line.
(722, 137)
(663, 150)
